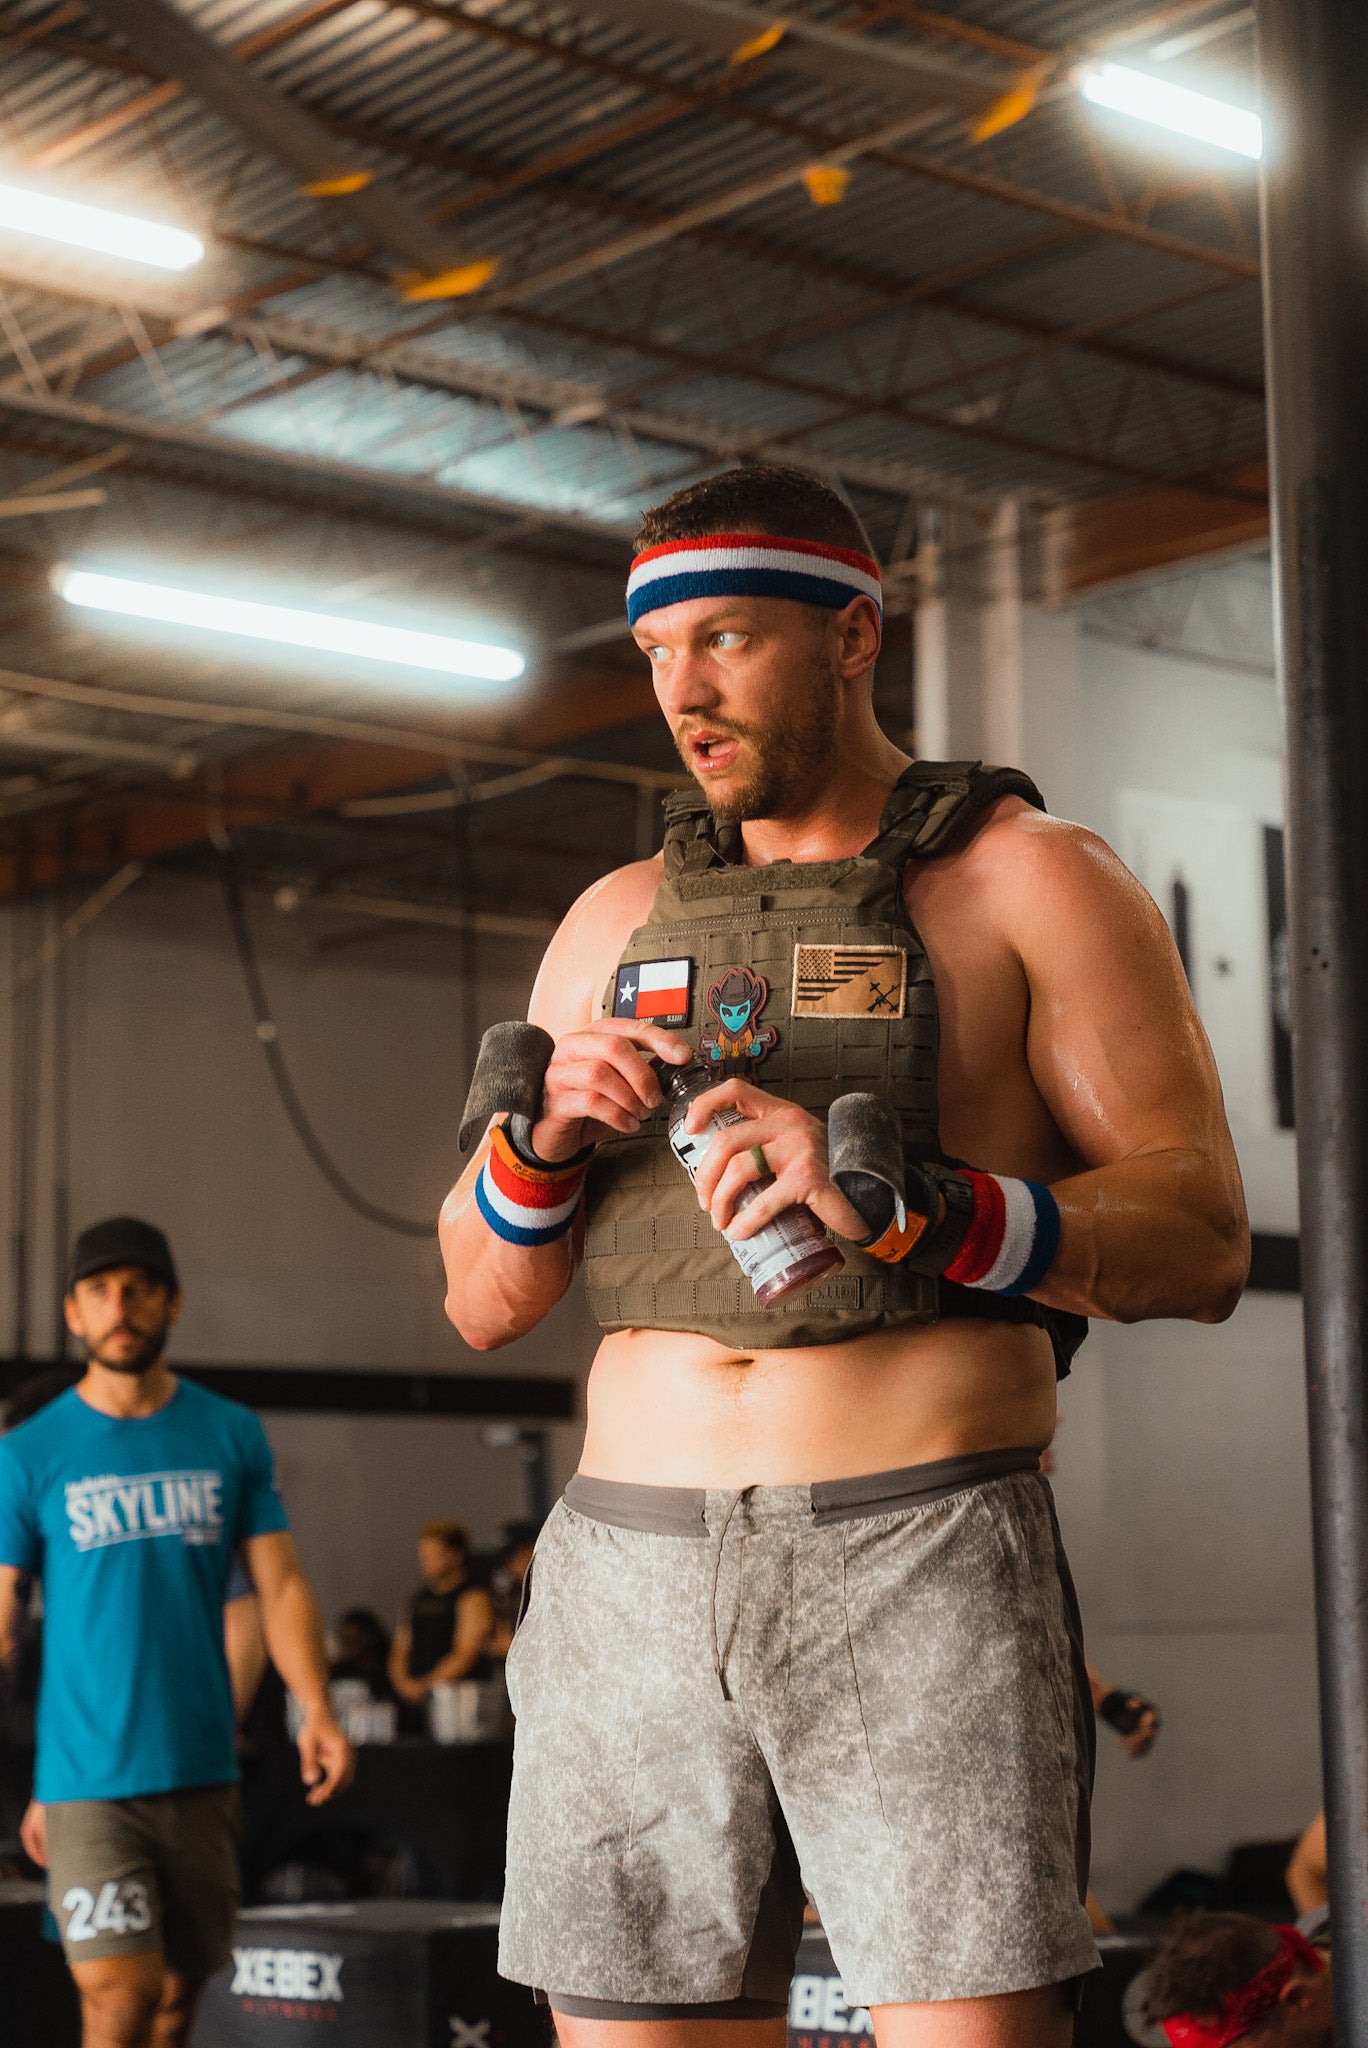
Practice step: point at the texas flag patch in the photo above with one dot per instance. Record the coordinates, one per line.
(654, 991)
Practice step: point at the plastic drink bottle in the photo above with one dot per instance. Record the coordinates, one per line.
(792, 1252)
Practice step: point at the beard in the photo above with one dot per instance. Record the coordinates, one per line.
(791, 761)
(149, 1350)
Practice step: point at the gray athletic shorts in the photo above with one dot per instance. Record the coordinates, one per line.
(157, 1874)
(870, 1689)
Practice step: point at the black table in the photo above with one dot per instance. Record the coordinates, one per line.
(440, 1808)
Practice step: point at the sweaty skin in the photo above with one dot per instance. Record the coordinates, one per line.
(1070, 1053)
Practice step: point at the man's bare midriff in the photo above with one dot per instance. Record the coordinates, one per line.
(674, 1410)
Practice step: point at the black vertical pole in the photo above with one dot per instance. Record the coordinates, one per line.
(1313, 58)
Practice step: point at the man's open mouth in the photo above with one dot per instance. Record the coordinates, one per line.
(712, 751)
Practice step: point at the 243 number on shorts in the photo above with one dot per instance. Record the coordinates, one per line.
(115, 1909)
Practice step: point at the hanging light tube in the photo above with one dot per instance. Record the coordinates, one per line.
(288, 626)
(1175, 107)
(53, 218)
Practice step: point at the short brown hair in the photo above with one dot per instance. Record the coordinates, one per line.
(453, 1534)
(1203, 1958)
(757, 497)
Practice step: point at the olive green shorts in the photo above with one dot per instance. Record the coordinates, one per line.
(871, 1690)
(157, 1874)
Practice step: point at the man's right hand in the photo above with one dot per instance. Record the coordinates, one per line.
(33, 1834)
(600, 1082)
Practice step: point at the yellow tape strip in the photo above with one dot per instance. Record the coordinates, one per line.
(451, 284)
(341, 186)
(1014, 105)
(761, 45)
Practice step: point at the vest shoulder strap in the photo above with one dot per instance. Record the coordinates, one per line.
(693, 838)
(935, 806)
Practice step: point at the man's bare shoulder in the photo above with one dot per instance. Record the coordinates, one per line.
(592, 934)
(1019, 852)
(1050, 865)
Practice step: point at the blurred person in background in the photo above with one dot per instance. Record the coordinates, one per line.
(1307, 1876)
(244, 1647)
(362, 1646)
(508, 1579)
(446, 1629)
(1222, 1978)
(129, 1495)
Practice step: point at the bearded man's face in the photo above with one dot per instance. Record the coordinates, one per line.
(751, 688)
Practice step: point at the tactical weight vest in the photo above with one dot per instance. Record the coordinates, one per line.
(851, 998)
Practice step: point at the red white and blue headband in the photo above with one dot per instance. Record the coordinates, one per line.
(750, 565)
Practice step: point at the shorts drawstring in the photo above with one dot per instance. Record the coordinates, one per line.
(733, 1505)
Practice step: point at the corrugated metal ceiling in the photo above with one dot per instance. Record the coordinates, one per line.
(1061, 311)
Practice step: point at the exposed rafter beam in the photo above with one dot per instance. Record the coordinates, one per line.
(326, 352)
(415, 493)
(442, 371)
(1140, 533)
(116, 119)
(163, 36)
(887, 67)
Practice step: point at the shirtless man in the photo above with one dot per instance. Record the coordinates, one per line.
(802, 1609)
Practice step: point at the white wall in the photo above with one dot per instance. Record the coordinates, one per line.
(1181, 1465)
(173, 1117)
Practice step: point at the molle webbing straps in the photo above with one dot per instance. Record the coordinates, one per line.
(508, 1076)
(936, 805)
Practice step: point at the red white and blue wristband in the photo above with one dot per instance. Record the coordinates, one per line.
(750, 565)
(1012, 1235)
(527, 1204)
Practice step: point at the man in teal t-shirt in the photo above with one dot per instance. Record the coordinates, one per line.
(129, 1496)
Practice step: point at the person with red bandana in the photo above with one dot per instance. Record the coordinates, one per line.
(1223, 1978)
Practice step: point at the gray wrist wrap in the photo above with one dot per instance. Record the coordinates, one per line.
(508, 1077)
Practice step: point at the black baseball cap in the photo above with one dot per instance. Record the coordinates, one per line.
(122, 1241)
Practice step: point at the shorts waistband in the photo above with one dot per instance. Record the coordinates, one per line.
(692, 1510)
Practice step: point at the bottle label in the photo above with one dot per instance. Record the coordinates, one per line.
(792, 1235)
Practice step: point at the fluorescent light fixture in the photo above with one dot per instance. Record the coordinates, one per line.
(289, 626)
(25, 211)
(1175, 107)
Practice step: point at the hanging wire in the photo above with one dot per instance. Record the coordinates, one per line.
(268, 1037)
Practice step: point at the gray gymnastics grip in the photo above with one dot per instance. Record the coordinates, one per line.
(508, 1076)
(865, 1150)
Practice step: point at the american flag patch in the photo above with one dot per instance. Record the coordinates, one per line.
(849, 981)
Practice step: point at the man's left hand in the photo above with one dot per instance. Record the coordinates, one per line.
(795, 1147)
(327, 1762)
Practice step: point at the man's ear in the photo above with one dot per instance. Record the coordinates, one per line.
(860, 631)
(73, 1315)
(173, 1306)
(1298, 1993)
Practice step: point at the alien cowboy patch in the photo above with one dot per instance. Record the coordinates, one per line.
(849, 981)
(654, 991)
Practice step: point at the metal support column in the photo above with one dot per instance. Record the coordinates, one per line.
(1314, 66)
